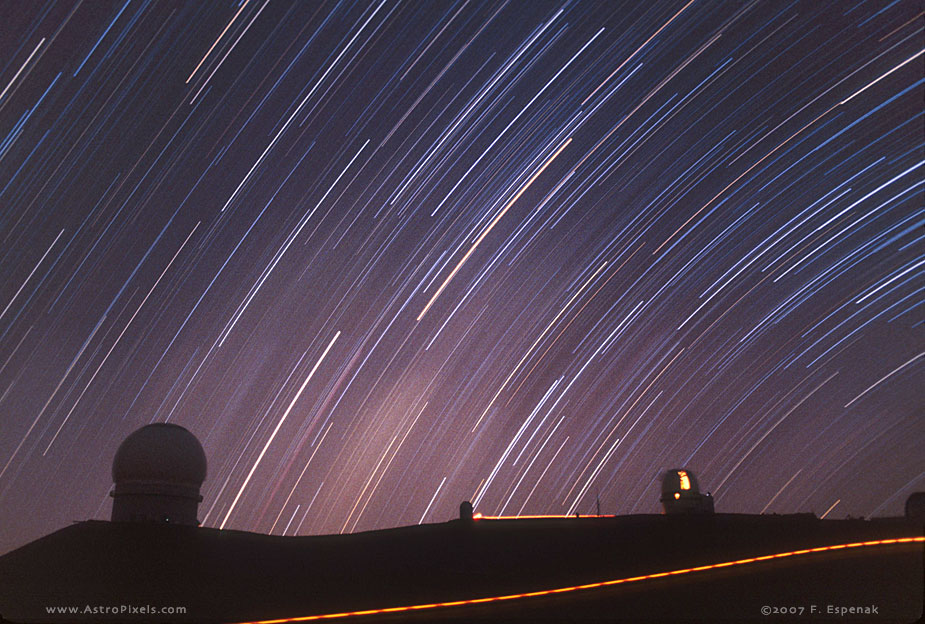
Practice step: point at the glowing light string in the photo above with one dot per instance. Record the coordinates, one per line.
(632, 579)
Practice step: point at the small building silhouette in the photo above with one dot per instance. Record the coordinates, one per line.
(157, 472)
(465, 511)
(915, 507)
(681, 494)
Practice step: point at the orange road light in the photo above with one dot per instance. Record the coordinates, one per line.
(632, 579)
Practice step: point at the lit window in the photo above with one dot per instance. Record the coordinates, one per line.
(685, 480)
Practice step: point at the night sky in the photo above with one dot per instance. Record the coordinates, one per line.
(384, 257)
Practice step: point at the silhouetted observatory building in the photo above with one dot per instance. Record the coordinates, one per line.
(153, 564)
(157, 473)
(681, 494)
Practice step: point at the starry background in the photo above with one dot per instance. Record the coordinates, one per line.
(382, 257)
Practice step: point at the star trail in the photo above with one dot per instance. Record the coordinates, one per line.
(383, 257)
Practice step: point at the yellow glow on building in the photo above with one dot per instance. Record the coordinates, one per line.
(685, 480)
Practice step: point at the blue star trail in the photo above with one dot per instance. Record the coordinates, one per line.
(383, 257)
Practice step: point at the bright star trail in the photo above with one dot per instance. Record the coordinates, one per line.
(383, 257)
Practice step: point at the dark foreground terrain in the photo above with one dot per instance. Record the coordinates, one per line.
(118, 572)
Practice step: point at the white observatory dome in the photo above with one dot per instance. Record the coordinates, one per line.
(157, 472)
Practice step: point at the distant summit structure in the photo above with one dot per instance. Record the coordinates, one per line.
(152, 565)
(915, 507)
(465, 511)
(157, 472)
(681, 494)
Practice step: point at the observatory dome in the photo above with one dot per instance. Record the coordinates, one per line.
(677, 481)
(681, 493)
(157, 472)
(160, 452)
